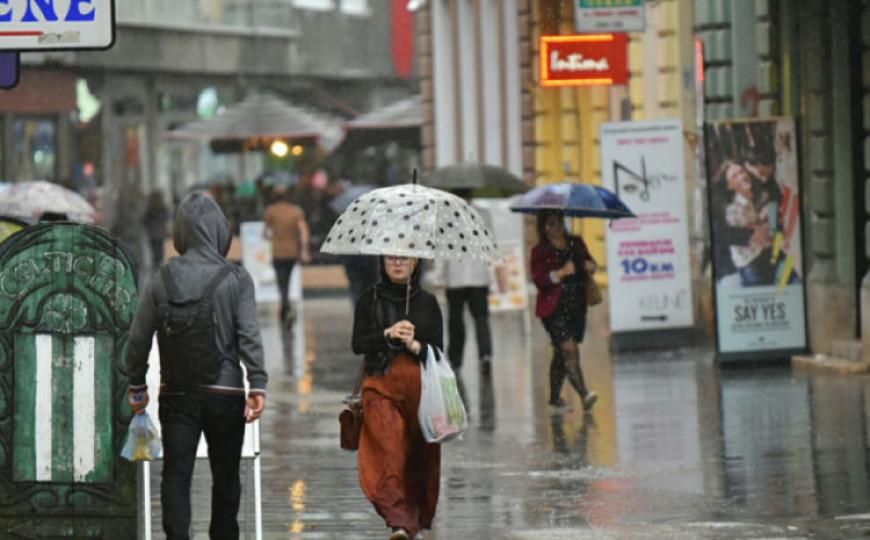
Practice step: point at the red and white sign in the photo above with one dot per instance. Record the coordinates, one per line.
(584, 60)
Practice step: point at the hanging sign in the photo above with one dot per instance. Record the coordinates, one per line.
(648, 263)
(584, 60)
(8, 70)
(755, 233)
(609, 15)
(38, 25)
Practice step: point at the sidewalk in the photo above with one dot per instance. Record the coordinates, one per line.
(673, 449)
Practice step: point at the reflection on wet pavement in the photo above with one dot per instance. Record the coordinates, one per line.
(674, 448)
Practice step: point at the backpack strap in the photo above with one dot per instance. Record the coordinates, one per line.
(215, 281)
(169, 286)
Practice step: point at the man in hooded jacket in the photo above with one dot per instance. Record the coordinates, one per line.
(219, 410)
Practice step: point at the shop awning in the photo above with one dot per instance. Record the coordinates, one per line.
(258, 119)
(399, 122)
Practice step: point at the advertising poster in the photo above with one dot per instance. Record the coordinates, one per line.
(257, 259)
(755, 233)
(508, 289)
(647, 257)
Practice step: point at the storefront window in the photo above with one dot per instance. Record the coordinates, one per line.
(35, 149)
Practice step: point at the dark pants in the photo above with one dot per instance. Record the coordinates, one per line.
(183, 418)
(477, 300)
(283, 270)
(156, 252)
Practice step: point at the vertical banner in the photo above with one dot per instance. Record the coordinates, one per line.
(648, 256)
(755, 232)
(257, 259)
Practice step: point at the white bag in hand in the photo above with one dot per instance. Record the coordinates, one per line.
(441, 412)
(142, 444)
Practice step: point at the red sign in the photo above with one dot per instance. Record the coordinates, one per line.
(584, 60)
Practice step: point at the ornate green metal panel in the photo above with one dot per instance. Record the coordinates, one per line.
(67, 298)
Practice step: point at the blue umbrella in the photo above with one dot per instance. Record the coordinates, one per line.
(575, 200)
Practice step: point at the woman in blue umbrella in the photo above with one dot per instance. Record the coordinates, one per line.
(561, 269)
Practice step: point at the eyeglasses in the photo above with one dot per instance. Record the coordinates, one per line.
(397, 259)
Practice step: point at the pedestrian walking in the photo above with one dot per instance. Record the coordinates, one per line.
(394, 322)
(156, 221)
(561, 269)
(203, 310)
(466, 283)
(285, 226)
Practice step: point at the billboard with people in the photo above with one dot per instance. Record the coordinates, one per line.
(755, 219)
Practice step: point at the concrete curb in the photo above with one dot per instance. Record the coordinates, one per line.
(830, 364)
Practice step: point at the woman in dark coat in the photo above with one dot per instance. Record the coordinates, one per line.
(399, 471)
(561, 270)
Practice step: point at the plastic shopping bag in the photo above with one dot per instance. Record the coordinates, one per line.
(142, 443)
(441, 412)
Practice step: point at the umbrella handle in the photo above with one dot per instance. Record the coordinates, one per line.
(408, 293)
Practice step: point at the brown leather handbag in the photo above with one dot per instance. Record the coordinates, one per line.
(350, 419)
(594, 295)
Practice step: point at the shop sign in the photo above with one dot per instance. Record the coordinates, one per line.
(755, 235)
(8, 73)
(609, 15)
(648, 260)
(38, 25)
(584, 60)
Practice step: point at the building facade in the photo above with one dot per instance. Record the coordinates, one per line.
(98, 118)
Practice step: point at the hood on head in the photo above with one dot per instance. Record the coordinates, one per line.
(200, 224)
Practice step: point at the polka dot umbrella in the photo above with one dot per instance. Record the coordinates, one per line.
(414, 221)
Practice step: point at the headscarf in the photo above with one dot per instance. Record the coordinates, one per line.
(396, 292)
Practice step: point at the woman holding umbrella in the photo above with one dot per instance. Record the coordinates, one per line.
(394, 323)
(561, 269)
(399, 471)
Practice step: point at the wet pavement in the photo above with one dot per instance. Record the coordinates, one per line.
(675, 448)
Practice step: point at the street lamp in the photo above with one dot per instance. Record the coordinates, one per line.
(279, 148)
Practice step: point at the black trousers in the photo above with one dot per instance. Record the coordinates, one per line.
(183, 417)
(478, 304)
(283, 270)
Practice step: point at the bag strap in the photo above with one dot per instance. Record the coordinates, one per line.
(359, 377)
(169, 285)
(215, 281)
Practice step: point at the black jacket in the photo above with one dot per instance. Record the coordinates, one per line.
(381, 306)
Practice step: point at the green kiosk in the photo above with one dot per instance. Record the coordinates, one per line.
(67, 298)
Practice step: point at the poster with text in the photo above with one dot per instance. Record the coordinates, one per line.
(755, 233)
(647, 256)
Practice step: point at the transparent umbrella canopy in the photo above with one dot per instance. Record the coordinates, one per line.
(413, 221)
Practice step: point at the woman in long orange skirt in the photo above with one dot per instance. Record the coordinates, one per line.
(399, 471)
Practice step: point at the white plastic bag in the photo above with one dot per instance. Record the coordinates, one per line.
(441, 412)
(143, 443)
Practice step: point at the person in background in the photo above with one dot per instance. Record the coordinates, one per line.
(285, 226)
(561, 269)
(466, 282)
(156, 221)
(207, 397)
(399, 471)
(361, 272)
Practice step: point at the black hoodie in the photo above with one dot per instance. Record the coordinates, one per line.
(202, 237)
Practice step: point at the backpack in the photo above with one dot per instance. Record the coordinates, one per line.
(187, 333)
